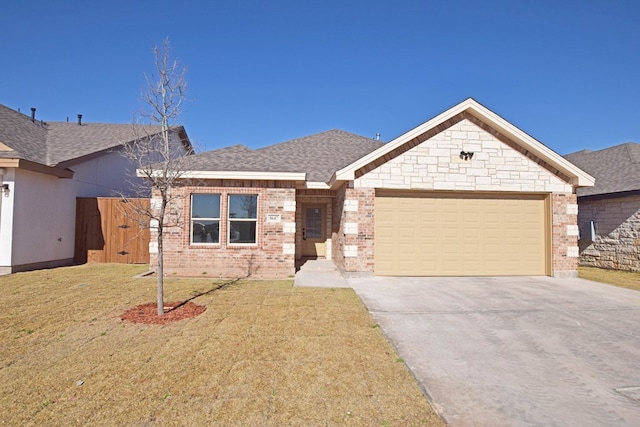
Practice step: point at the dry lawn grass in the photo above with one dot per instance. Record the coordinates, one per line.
(262, 354)
(624, 279)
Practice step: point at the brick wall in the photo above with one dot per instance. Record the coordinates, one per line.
(356, 230)
(564, 231)
(616, 244)
(337, 227)
(272, 257)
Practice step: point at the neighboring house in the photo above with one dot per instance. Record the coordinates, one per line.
(43, 168)
(609, 212)
(465, 193)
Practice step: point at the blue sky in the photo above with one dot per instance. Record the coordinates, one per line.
(261, 72)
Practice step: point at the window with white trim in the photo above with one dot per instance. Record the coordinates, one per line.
(205, 218)
(243, 218)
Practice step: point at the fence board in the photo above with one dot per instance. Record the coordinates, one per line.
(107, 231)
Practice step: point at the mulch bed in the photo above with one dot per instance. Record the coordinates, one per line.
(173, 311)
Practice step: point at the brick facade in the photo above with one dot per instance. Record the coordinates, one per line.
(429, 162)
(616, 243)
(273, 255)
(356, 229)
(564, 247)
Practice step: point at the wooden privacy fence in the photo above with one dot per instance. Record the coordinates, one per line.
(107, 231)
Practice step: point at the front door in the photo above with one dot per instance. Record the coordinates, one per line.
(313, 232)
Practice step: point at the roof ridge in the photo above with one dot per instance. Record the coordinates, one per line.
(633, 150)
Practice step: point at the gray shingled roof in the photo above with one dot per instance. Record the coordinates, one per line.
(616, 169)
(52, 143)
(68, 141)
(319, 155)
(26, 138)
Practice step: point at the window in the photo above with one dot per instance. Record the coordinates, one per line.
(205, 218)
(243, 218)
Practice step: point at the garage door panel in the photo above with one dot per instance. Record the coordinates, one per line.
(462, 234)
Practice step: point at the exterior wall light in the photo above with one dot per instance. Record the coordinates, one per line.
(466, 155)
(5, 189)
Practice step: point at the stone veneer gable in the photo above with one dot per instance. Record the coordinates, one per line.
(435, 164)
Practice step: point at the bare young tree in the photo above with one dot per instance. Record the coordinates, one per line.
(159, 154)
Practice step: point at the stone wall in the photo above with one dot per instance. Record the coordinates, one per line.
(273, 256)
(435, 164)
(616, 244)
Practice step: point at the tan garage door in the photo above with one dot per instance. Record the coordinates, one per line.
(453, 234)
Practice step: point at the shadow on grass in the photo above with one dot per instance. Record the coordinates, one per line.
(218, 287)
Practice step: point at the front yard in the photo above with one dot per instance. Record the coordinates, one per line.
(263, 353)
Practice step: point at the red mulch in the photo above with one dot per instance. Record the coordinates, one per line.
(173, 311)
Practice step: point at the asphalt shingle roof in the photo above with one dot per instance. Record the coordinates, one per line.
(52, 143)
(318, 155)
(26, 138)
(616, 169)
(322, 154)
(67, 141)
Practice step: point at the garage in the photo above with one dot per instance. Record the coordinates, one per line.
(461, 234)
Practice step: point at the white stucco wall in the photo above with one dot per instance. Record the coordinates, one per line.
(6, 219)
(109, 174)
(435, 164)
(104, 176)
(44, 219)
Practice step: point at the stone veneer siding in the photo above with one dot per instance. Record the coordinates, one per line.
(498, 165)
(272, 257)
(617, 225)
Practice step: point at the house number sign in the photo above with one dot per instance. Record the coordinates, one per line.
(273, 217)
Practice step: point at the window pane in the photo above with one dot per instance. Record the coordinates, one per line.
(205, 206)
(204, 231)
(313, 223)
(242, 231)
(241, 206)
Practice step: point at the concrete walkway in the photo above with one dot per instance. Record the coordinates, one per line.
(320, 273)
(523, 351)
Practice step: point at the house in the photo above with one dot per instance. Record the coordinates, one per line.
(44, 167)
(609, 212)
(465, 193)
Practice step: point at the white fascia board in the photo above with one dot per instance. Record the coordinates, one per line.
(580, 178)
(252, 175)
(317, 185)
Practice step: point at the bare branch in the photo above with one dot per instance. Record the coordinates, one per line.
(158, 154)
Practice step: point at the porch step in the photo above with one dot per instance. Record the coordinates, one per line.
(320, 273)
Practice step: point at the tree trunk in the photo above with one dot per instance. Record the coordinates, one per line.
(160, 271)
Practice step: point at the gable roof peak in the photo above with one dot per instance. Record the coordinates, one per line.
(483, 114)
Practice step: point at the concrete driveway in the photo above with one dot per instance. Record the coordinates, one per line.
(515, 351)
